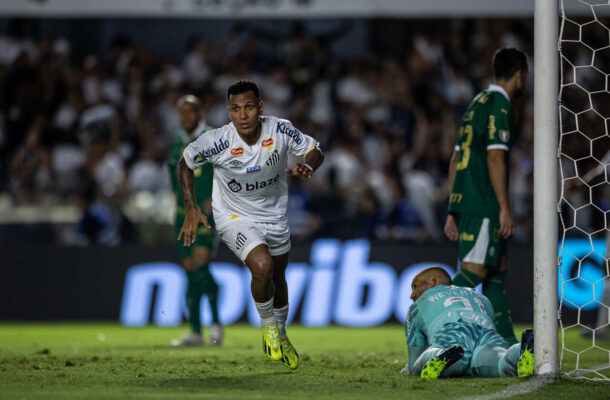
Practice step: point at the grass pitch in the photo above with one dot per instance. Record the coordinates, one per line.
(108, 361)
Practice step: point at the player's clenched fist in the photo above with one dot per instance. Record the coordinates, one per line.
(191, 222)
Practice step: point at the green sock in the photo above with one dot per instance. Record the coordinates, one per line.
(193, 299)
(466, 278)
(493, 288)
(209, 288)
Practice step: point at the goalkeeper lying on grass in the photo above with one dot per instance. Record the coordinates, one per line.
(450, 332)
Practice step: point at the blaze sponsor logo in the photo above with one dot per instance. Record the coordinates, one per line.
(235, 164)
(234, 186)
(240, 240)
(267, 142)
(262, 184)
(289, 131)
(256, 168)
(205, 154)
(274, 158)
(237, 151)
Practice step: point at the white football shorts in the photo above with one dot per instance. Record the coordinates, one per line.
(242, 234)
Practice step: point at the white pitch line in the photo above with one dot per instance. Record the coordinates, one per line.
(531, 385)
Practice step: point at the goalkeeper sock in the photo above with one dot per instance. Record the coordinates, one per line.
(466, 278)
(210, 289)
(281, 314)
(193, 300)
(265, 311)
(493, 288)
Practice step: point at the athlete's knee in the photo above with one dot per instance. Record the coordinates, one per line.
(502, 264)
(261, 268)
(478, 269)
(200, 256)
(279, 268)
(187, 264)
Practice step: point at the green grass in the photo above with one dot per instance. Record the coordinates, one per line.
(108, 361)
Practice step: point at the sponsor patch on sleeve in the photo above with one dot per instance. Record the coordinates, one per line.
(504, 135)
(198, 159)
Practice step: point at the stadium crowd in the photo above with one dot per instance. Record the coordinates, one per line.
(95, 131)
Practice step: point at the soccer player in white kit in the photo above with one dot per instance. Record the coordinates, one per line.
(249, 201)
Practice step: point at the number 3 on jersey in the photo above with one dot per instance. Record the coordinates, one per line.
(466, 140)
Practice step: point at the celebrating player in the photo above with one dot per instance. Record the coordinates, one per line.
(249, 201)
(480, 215)
(450, 332)
(195, 259)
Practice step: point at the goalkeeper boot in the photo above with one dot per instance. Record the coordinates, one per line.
(435, 367)
(271, 342)
(290, 357)
(525, 366)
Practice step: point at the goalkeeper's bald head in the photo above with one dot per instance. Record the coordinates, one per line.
(427, 279)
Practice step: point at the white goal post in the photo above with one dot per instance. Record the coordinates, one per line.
(546, 133)
(572, 148)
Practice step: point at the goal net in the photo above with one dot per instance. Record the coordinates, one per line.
(584, 152)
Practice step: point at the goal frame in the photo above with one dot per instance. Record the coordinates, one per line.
(546, 133)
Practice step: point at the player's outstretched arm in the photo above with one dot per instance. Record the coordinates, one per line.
(193, 216)
(313, 160)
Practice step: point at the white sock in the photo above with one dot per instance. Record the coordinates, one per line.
(265, 311)
(281, 314)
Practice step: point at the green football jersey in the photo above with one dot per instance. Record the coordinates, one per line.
(203, 175)
(487, 124)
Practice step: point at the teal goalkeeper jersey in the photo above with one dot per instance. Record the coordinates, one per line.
(444, 304)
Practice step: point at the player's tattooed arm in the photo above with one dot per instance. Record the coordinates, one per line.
(313, 160)
(193, 216)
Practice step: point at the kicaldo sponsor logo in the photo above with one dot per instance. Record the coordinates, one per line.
(267, 142)
(237, 151)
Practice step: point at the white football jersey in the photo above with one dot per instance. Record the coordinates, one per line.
(249, 180)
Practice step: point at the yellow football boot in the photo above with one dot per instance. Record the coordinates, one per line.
(271, 342)
(290, 357)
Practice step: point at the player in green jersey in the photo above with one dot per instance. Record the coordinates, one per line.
(195, 259)
(480, 216)
(450, 332)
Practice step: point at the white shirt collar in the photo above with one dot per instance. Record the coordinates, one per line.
(496, 88)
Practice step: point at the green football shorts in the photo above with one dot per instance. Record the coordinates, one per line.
(479, 238)
(205, 237)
